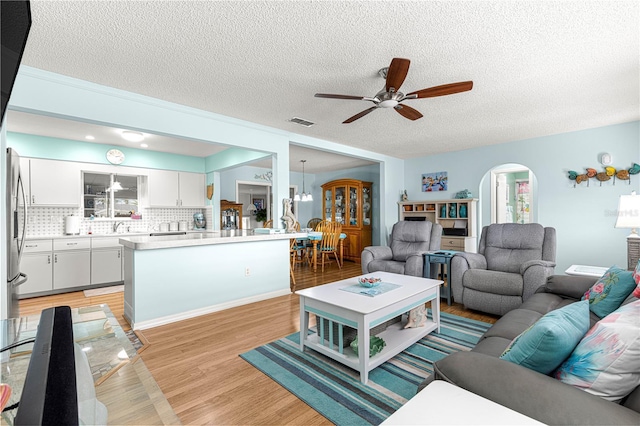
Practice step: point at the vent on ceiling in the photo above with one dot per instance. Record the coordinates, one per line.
(302, 121)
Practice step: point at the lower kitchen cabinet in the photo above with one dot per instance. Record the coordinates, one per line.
(106, 266)
(39, 270)
(71, 269)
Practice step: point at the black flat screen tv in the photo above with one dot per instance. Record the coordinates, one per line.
(15, 18)
(49, 395)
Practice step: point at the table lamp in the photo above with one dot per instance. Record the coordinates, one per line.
(629, 217)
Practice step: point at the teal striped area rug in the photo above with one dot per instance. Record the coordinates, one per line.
(335, 391)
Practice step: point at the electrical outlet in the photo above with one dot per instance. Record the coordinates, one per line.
(247, 272)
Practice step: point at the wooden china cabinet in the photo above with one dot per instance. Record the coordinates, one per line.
(348, 201)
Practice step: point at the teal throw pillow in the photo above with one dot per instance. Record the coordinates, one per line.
(543, 346)
(608, 293)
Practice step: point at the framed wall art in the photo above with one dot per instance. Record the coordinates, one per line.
(432, 182)
(258, 202)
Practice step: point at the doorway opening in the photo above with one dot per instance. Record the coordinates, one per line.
(512, 194)
(258, 195)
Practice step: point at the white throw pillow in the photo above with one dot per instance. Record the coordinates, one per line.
(606, 362)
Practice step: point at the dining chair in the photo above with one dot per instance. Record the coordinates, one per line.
(301, 247)
(313, 223)
(330, 242)
(292, 262)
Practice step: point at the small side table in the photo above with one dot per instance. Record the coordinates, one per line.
(586, 271)
(442, 257)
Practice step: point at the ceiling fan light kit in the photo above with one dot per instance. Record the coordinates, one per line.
(391, 97)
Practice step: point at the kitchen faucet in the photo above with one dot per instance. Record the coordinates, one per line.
(116, 225)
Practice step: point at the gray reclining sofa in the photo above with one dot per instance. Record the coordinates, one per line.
(533, 394)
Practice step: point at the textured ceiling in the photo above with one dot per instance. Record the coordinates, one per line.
(539, 67)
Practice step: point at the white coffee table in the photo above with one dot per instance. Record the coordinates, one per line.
(362, 313)
(442, 403)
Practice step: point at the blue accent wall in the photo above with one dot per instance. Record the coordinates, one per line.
(584, 217)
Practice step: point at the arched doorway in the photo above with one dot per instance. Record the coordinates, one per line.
(510, 192)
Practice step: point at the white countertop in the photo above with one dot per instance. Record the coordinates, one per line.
(147, 242)
(98, 235)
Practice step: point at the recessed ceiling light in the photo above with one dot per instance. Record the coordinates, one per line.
(89, 137)
(132, 136)
(144, 145)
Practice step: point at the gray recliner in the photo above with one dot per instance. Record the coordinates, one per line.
(513, 260)
(404, 255)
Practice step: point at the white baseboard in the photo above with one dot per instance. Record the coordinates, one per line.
(141, 325)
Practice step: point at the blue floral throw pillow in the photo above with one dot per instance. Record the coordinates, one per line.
(548, 342)
(608, 293)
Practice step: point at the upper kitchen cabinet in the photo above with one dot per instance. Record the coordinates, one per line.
(53, 183)
(175, 189)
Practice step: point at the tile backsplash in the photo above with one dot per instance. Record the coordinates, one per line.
(49, 221)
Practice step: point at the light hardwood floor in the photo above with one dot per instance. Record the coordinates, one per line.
(196, 364)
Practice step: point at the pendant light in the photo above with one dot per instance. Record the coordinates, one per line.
(305, 196)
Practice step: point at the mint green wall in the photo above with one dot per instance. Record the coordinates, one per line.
(86, 152)
(232, 157)
(584, 217)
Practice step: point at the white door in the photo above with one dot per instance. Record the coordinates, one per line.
(39, 270)
(512, 194)
(71, 269)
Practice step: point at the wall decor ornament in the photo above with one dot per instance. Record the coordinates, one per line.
(608, 173)
(437, 181)
(465, 193)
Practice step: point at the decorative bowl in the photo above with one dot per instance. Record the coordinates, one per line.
(369, 282)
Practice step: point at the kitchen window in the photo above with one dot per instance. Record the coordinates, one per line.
(110, 196)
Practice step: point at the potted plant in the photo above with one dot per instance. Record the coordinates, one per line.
(261, 215)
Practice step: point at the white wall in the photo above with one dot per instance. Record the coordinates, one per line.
(584, 217)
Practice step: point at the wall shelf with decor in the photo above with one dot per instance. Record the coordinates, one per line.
(457, 217)
(349, 202)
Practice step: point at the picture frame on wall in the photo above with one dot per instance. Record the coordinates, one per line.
(258, 202)
(436, 181)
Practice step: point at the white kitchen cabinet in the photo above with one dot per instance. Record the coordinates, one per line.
(71, 269)
(54, 183)
(167, 188)
(39, 270)
(106, 265)
(163, 188)
(192, 188)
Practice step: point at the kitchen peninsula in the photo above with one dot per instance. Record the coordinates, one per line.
(175, 277)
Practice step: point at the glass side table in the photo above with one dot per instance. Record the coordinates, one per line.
(115, 367)
(443, 258)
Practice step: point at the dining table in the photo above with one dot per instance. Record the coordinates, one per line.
(315, 237)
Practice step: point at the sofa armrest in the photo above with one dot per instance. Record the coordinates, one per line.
(534, 274)
(379, 252)
(473, 260)
(414, 265)
(528, 392)
(571, 286)
(371, 253)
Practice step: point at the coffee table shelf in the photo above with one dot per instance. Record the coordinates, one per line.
(362, 313)
(396, 337)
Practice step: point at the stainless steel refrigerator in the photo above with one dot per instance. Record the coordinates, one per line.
(16, 227)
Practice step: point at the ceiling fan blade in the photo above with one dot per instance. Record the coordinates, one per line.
(445, 89)
(397, 73)
(326, 95)
(408, 112)
(359, 115)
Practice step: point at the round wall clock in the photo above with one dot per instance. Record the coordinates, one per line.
(115, 156)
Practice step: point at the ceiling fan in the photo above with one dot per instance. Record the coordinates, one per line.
(390, 97)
